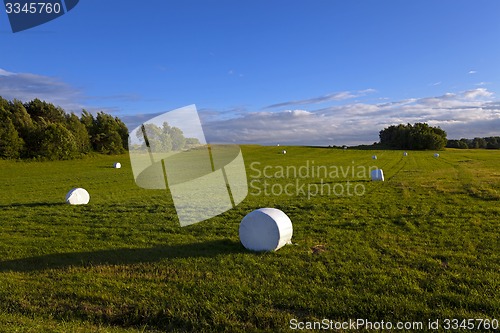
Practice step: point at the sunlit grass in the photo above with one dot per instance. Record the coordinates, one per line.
(421, 245)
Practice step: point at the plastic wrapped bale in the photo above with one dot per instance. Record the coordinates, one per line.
(374, 157)
(78, 196)
(117, 165)
(284, 151)
(265, 229)
(436, 155)
(405, 154)
(377, 175)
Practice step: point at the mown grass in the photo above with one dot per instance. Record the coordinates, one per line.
(422, 245)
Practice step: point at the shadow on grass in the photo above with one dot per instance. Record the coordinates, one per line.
(351, 181)
(34, 204)
(122, 256)
(350, 226)
(106, 167)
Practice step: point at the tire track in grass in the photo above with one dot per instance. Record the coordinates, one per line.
(470, 183)
(445, 173)
(393, 163)
(445, 161)
(399, 170)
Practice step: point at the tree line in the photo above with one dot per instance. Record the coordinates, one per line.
(492, 142)
(40, 130)
(164, 139)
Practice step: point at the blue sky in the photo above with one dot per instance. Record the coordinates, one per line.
(268, 71)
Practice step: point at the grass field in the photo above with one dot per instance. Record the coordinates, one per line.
(423, 245)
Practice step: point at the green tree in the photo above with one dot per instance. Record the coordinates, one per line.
(192, 142)
(38, 110)
(20, 117)
(123, 132)
(10, 142)
(40, 129)
(79, 131)
(158, 139)
(417, 136)
(4, 104)
(87, 119)
(105, 138)
(464, 143)
(493, 142)
(178, 139)
(57, 142)
(479, 143)
(166, 138)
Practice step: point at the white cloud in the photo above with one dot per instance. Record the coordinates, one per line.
(5, 73)
(462, 114)
(472, 72)
(475, 93)
(336, 96)
(299, 113)
(27, 86)
(468, 113)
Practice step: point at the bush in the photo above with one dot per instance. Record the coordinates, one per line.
(419, 136)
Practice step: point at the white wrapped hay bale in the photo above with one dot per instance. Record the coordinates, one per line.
(117, 165)
(265, 229)
(284, 151)
(78, 196)
(436, 155)
(374, 157)
(405, 154)
(377, 175)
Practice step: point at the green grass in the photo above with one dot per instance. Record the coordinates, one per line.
(422, 245)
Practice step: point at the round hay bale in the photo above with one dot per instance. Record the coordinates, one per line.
(374, 157)
(265, 229)
(117, 165)
(78, 196)
(405, 154)
(436, 155)
(377, 175)
(284, 151)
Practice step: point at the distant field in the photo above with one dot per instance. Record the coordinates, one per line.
(423, 245)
